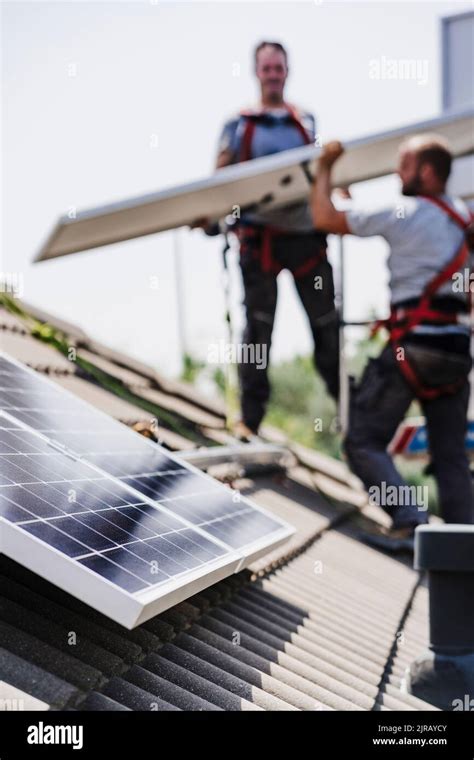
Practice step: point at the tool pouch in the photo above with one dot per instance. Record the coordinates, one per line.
(435, 368)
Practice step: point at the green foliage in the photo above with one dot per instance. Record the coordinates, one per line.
(301, 407)
(191, 368)
(219, 378)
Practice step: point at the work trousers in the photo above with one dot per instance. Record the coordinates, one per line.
(304, 255)
(378, 405)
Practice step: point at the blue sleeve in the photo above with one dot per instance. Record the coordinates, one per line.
(228, 139)
(311, 127)
(309, 123)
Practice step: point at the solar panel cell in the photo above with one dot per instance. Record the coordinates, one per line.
(55, 538)
(112, 572)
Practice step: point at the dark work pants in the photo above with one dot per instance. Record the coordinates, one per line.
(292, 252)
(378, 405)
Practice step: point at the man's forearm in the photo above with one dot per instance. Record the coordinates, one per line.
(224, 159)
(322, 206)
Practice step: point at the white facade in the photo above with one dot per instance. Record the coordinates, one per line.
(457, 60)
(457, 41)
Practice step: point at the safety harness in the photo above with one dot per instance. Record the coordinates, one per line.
(252, 117)
(269, 232)
(403, 319)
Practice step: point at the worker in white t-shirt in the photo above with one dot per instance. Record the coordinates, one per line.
(428, 353)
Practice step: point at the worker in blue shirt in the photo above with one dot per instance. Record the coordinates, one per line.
(283, 238)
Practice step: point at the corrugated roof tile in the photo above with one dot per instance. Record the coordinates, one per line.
(132, 696)
(206, 661)
(100, 703)
(171, 665)
(49, 658)
(40, 683)
(148, 676)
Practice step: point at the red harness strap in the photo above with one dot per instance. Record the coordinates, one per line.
(401, 321)
(269, 265)
(252, 118)
(265, 254)
(246, 145)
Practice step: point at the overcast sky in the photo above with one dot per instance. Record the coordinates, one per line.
(103, 101)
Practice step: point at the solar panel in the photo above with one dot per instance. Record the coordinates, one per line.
(268, 182)
(108, 515)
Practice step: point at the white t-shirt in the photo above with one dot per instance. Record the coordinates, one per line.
(423, 239)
